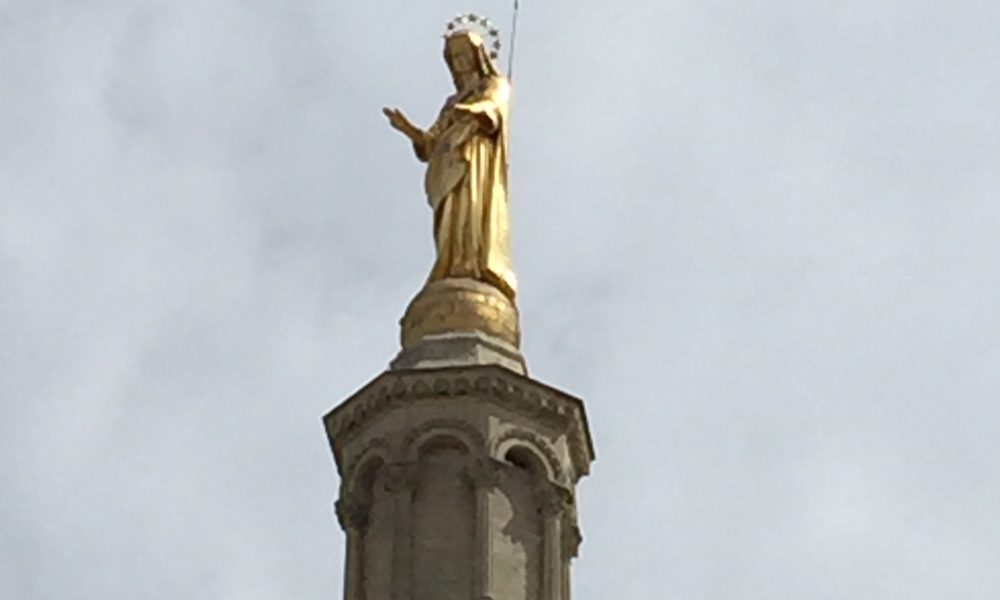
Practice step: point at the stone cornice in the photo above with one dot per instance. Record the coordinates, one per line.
(514, 392)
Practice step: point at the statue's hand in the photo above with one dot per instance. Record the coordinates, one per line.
(399, 121)
(396, 118)
(479, 111)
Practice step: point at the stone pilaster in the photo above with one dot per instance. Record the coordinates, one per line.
(552, 505)
(401, 483)
(353, 517)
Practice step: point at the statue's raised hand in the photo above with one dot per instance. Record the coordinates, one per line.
(399, 121)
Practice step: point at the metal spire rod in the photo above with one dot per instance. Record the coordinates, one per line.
(513, 36)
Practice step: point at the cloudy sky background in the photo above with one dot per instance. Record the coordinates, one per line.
(759, 238)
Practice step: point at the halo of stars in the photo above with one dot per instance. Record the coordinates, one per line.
(479, 24)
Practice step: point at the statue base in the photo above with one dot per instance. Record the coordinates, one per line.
(460, 322)
(460, 349)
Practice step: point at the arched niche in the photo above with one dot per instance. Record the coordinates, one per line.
(360, 473)
(525, 457)
(524, 449)
(442, 431)
(366, 509)
(364, 476)
(443, 514)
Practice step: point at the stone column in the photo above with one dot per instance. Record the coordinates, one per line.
(552, 507)
(401, 483)
(353, 517)
(571, 540)
(482, 476)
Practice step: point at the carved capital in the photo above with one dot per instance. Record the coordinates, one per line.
(352, 513)
(483, 473)
(571, 540)
(553, 501)
(401, 478)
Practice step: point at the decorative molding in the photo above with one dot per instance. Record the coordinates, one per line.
(508, 390)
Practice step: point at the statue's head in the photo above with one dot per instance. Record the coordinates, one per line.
(465, 50)
(466, 54)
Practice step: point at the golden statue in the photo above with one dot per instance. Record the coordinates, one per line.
(466, 155)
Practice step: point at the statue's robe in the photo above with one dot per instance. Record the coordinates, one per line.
(466, 185)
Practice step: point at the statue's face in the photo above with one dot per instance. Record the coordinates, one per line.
(461, 56)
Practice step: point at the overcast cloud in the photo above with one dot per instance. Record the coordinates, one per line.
(759, 238)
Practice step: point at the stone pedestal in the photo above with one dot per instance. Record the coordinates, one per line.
(467, 348)
(458, 472)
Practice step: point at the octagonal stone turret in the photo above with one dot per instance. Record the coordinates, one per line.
(459, 482)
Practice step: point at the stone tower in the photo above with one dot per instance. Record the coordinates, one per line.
(458, 471)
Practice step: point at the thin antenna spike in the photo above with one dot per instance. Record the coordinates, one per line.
(513, 36)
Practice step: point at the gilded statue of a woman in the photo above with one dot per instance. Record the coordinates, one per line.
(466, 155)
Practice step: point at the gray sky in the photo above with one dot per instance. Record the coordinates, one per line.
(759, 238)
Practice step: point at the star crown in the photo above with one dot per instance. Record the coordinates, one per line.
(480, 25)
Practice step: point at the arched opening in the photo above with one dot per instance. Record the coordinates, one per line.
(523, 457)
